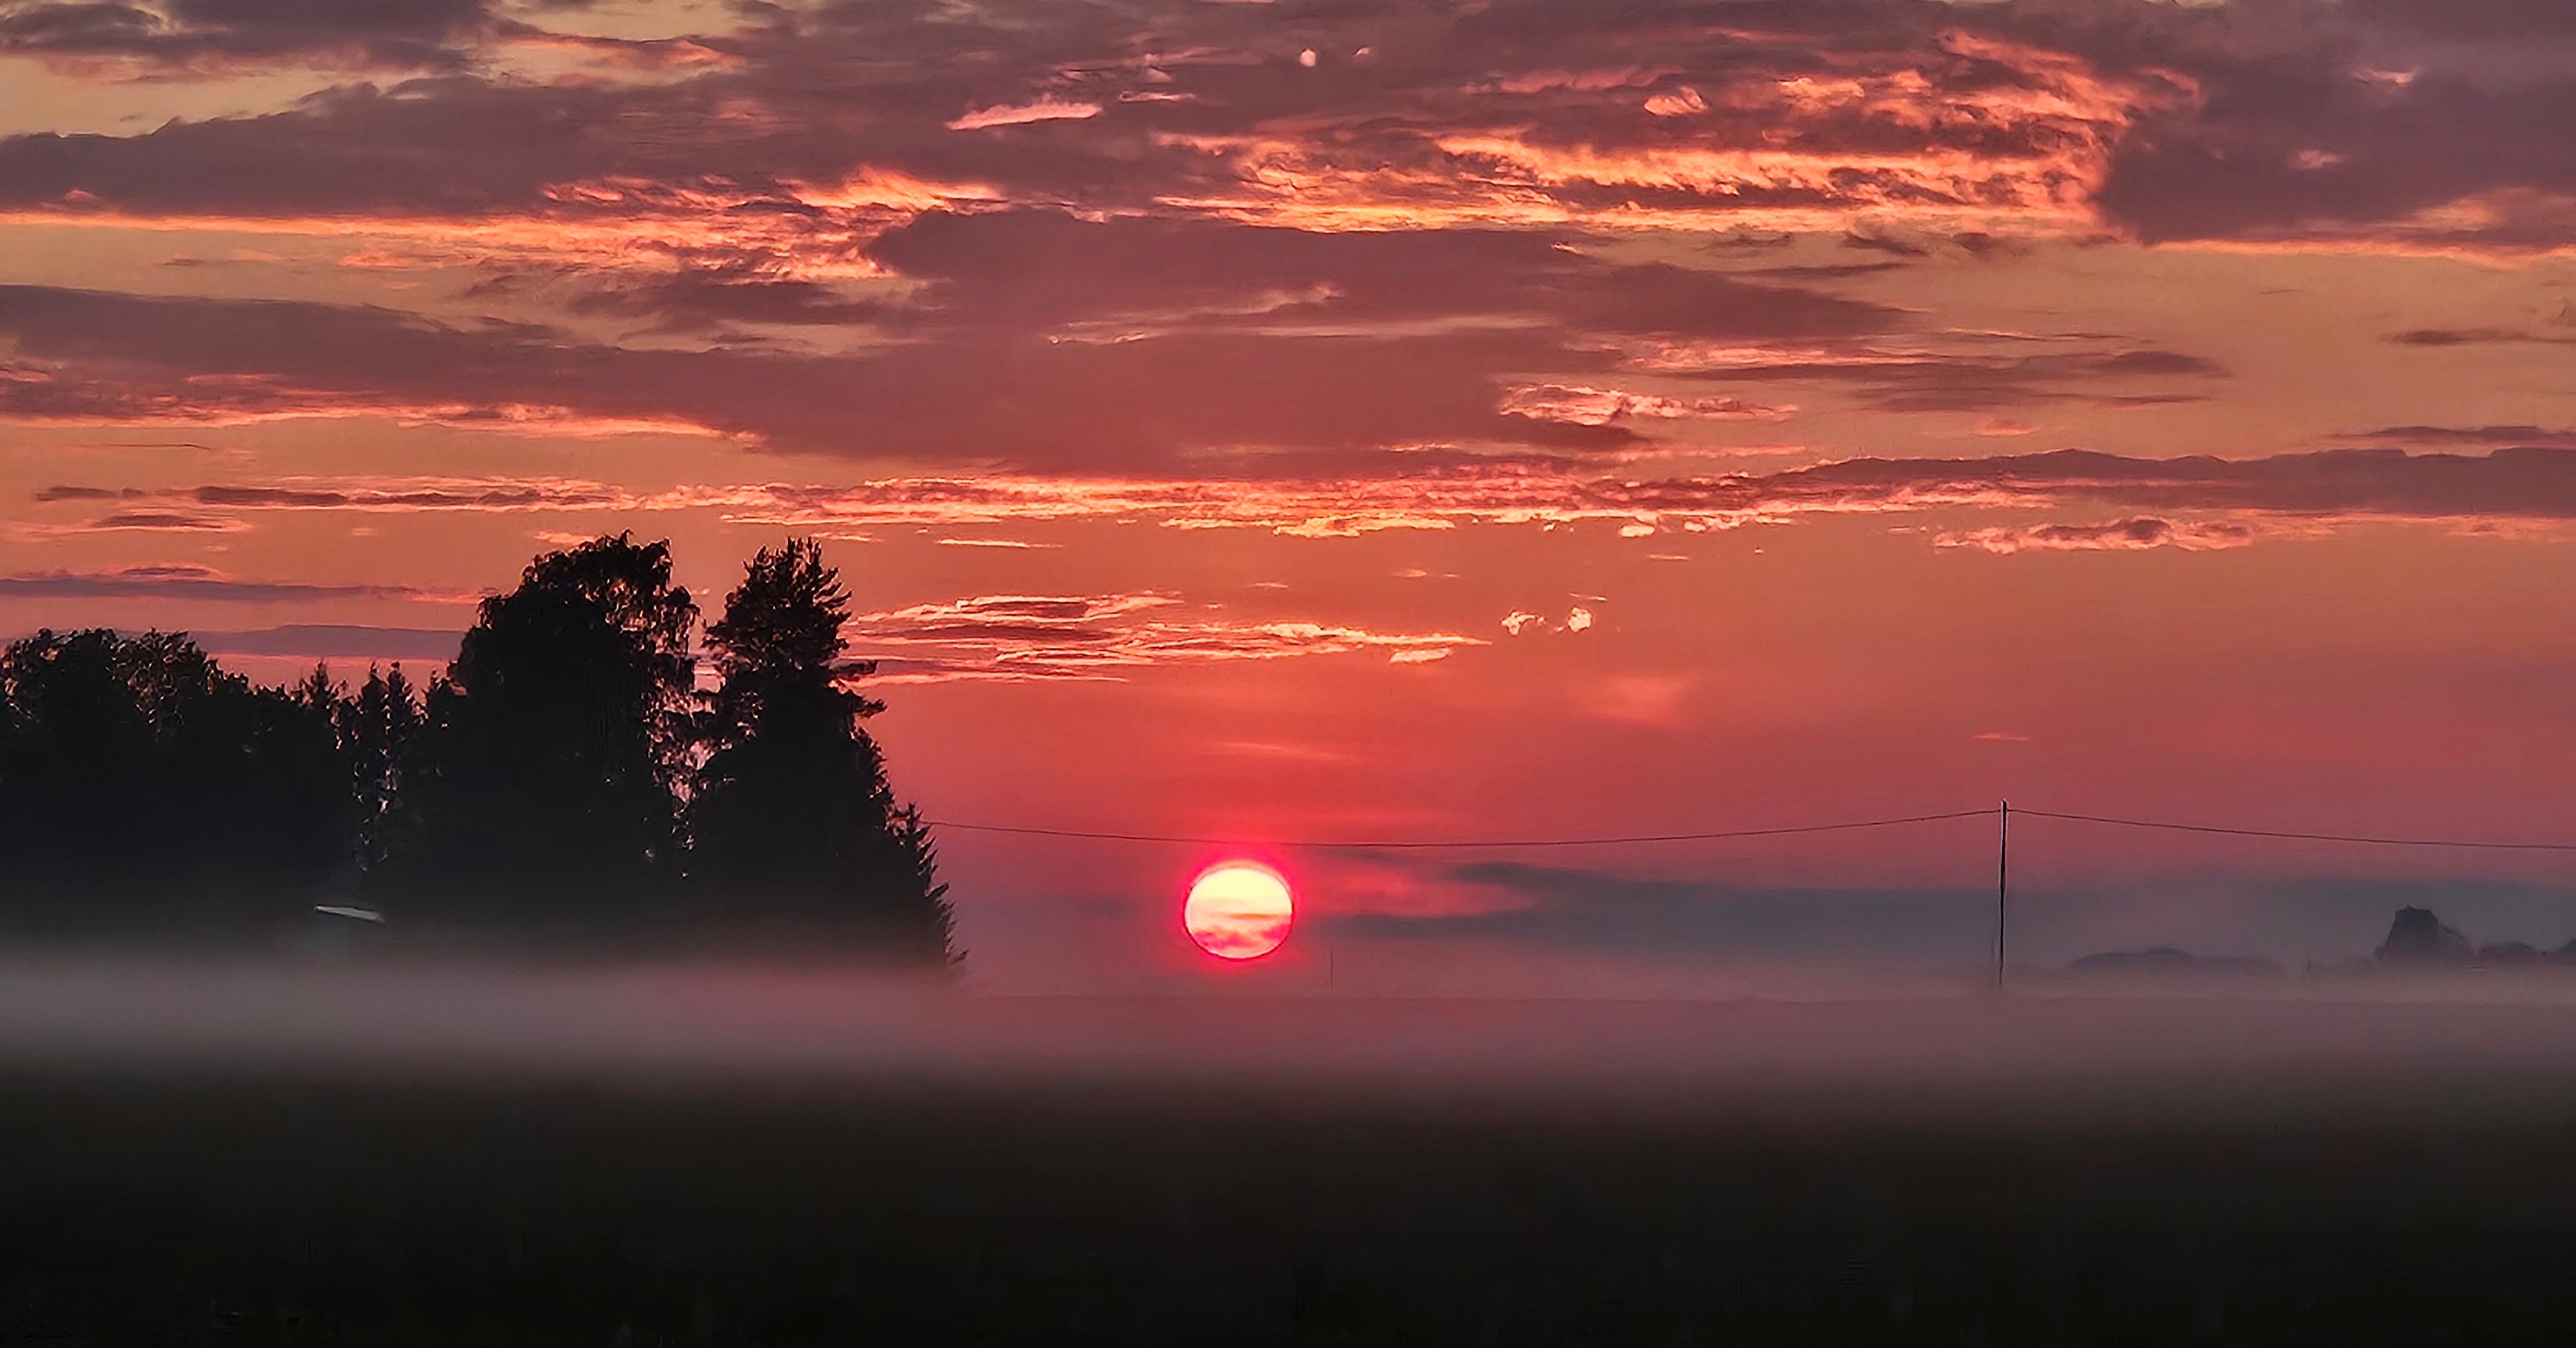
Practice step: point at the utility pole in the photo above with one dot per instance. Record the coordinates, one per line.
(2003, 883)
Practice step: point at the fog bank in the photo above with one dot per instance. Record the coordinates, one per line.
(2396, 1046)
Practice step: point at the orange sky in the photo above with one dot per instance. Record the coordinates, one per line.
(1398, 420)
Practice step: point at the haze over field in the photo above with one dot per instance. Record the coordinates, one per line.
(1876, 1052)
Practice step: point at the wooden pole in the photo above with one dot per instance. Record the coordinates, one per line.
(2003, 883)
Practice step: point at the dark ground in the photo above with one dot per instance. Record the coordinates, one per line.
(177, 1208)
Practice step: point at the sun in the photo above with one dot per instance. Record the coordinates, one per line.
(1238, 910)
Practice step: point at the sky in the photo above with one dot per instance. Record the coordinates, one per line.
(1367, 420)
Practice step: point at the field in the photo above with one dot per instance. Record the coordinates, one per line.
(1962, 1172)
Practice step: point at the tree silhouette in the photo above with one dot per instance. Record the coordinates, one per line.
(792, 814)
(541, 780)
(141, 784)
(544, 782)
(376, 727)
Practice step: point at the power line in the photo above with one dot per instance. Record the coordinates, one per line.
(1492, 844)
(1719, 835)
(2306, 837)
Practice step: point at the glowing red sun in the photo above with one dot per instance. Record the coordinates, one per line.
(1238, 910)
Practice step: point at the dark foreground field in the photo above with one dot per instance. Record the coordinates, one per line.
(2304, 1197)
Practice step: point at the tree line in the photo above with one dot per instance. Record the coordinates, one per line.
(565, 772)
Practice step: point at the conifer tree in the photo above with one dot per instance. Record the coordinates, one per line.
(793, 815)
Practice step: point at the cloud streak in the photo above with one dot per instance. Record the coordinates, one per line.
(393, 34)
(193, 582)
(2199, 502)
(89, 357)
(2138, 533)
(335, 640)
(1047, 637)
(2291, 492)
(1518, 903)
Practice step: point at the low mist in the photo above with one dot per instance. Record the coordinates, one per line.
(1907, 1047)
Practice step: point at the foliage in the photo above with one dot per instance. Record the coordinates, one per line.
(544, 782)
(140, 784)
(792, 815)
(551, 777)
(376, 728)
